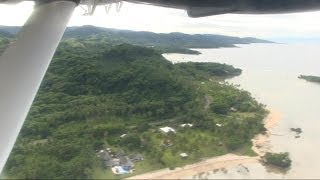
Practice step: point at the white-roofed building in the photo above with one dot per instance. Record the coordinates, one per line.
(186, 125)
(219, 125)
(123, 135)
(183, 155)
(233, 109)
(167, 129)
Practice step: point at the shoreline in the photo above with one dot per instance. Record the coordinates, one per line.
(211, 164)
(261, 145)
(261, 142)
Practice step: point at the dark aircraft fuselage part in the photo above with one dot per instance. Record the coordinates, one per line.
(200, 8)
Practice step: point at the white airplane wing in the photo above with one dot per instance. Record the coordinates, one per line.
(23, 66)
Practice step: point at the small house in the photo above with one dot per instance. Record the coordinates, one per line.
(111, 163)
(104, 155)
(107, 159)
(137, 157)
(183, 155)
(167, 130)
(126, 163)
(233, 109)
(186, 125)
(120, 153)
(120, 170)
(123, 135)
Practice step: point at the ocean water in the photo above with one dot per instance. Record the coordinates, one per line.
(270, 73)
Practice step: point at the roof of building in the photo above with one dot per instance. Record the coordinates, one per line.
(183, 154)
(119, 170)
(187, 124)
(123, 135)
(233, 109)
(104, 155)
(120, 153)
(111, 163)
(137, 157)
(167, 129)
(125, 161)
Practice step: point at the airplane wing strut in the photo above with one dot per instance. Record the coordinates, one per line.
(23, 66)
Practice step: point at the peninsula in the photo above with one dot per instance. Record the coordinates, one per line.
(315, 79)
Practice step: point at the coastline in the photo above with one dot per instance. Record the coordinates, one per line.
(261, 142)
(211, 164)
(261, 145)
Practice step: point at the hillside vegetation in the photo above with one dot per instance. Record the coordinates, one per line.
(98, 87)
(93, 93)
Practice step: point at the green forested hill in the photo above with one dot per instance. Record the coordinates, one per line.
(171, 42)
(94, 92)
(160, 39)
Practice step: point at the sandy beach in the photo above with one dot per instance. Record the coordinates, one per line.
(261, 144)
(212, 164)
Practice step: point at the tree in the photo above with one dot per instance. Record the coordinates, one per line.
(143, 127)
(278, 159)
(220, 107)
(233, 143)
(131, 141)
(169, 160)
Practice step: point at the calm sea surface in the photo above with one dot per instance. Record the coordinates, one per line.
(270, 73)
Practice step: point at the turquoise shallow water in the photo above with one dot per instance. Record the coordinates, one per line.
(270, 73)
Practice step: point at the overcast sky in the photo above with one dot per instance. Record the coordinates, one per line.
(158, 19)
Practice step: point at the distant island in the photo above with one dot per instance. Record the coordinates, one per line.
(315, 79)
(108, 109)
(165, 43)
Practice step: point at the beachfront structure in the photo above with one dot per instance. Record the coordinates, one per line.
(186, 125)
(167, 129)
